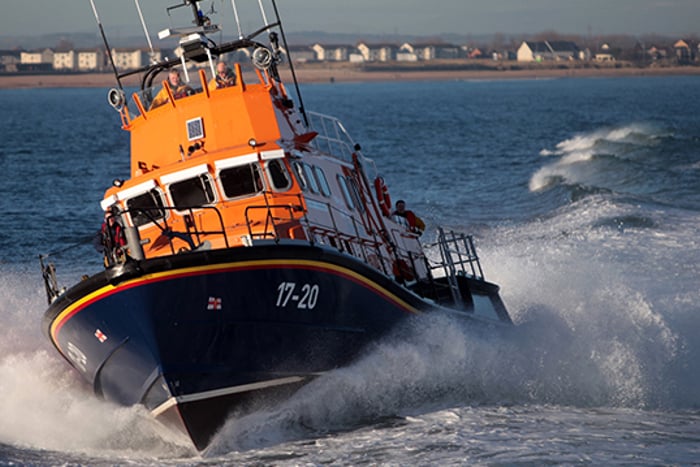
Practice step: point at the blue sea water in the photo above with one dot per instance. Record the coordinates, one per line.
(584, 198)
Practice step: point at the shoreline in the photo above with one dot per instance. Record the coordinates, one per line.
(349, 74)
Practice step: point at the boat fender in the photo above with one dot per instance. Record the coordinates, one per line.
(383, 196)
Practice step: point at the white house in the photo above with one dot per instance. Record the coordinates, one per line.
(132, 59)
(90, 60)
(64, 60)
(332, 53)
(377, 52)
(406, 53)
(547, 50)
(604, 54)
(36, 57)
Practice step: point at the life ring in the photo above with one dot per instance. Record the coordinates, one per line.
(383, 196)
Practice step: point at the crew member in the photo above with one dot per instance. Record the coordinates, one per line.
(110, 240)
(414, 222)
(224, 78)
(177, 88)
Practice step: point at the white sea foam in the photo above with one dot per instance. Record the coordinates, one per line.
(45, 404)
(582, 148)
(628, 333)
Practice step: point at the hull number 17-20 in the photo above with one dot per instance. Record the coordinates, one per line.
(303, 297)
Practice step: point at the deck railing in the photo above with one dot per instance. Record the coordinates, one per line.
(457, 255)
(351, 242)
(332, 138)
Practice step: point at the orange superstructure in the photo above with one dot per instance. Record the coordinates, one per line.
(228, 119)
(221, 168)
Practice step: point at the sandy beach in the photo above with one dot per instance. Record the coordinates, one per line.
(326, 73)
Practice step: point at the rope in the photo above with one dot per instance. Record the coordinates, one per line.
(82, 242)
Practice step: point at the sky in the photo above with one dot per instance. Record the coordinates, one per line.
(407, 17)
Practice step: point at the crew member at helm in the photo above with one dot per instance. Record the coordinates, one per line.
(224, 78)
(177, 87)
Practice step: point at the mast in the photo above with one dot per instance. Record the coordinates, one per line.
(145, 31)
(302, 109)
(107, 48)
(238, 22)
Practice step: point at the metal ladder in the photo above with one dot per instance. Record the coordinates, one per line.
(458, 257)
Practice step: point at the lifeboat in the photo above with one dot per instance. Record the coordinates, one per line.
(255, 250)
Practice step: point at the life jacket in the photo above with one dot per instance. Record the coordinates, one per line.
(226, 81)
(113, 243)
(182, 91)
(414, 222)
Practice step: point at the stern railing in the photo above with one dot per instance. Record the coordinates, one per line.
(458, 257)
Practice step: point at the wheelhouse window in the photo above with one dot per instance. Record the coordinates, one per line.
(242, 180)
(343, 183)
(145, 208)
(299, 172)
(322, 181)
(310, 179)
(355, 192)
(278, 175)
(193, 192)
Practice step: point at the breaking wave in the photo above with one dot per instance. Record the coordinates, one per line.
(602, 158)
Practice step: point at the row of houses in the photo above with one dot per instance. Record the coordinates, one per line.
(126, 59)
(73, 60)
(529, 51)
(684, 51)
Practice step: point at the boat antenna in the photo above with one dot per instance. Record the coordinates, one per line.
(238, 22)
(262, 11)
(291, 64)
(145, 31)
(107, 49)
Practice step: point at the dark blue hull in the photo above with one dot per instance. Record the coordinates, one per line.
(193, 336)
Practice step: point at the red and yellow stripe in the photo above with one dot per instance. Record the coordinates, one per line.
(64, 316)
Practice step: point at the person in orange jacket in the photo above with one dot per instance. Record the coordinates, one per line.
(224, 78)
(177, 87)
(414, 222)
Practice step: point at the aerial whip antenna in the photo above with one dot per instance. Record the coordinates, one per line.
(262, 11)
(107, 49)
(291, 64)
(145, 31)
(238, 22)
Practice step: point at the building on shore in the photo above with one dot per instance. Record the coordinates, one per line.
(541, 51)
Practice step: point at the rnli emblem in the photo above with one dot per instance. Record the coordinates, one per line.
(214, 303)
(101, 336)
